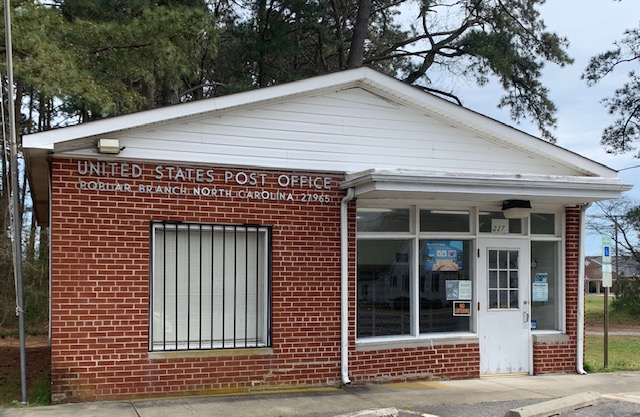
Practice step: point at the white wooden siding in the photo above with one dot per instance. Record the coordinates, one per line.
(344, 131)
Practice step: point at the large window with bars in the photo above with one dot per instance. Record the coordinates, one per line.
(210, 286)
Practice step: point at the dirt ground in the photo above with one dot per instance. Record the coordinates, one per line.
(38, 363)
(615, 327)
(38, 358)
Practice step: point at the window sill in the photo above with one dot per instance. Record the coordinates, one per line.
(413, 342)
(212, 353)
(550, 337)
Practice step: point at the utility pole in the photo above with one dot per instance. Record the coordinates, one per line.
(15, 206)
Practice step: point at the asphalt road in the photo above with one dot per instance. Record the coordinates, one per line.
(498, 409)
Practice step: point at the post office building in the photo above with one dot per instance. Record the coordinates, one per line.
(343, 229)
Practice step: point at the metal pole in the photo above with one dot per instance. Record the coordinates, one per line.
(606, 297)
(606, 327)
(617, 257)
(15, 194)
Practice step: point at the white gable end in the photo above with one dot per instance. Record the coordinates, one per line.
(344, 131)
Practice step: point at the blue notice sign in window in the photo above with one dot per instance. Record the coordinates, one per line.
(444, 255)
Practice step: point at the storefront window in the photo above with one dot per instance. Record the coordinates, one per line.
(391, 291)
(444, 221)
(384, 287)
(545, 285)
(383, 220)
(543, 224)
(445, 286)
(395, 299)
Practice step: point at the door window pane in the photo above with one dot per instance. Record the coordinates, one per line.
(384, 287)
(504, 291)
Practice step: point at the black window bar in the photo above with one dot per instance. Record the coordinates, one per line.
(210, 286)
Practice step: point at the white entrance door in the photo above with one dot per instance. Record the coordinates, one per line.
(504, 325)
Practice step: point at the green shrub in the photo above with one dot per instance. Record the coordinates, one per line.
(627, 298)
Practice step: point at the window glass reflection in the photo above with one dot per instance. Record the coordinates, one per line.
(545, 285)
(444, 221)
(445, 267)
(384, 287)
(543, 223)
(383, 220)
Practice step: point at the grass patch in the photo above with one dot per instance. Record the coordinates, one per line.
(594, 311)
(624, 353)
(594, 307)
(41, 393)
(8, 390)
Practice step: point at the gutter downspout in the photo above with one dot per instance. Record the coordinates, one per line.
(580, 329)
(344, 286)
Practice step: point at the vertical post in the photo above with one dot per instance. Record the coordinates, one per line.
(607, 278)
(617, 257)
(15, 209)
(606, 327)
(606, 299)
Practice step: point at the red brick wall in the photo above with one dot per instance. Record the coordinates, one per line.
(554, 357)
(100, 288)
(100, 295)
(460, 361)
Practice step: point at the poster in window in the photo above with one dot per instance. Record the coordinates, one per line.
(462, 308)
(464, 290)
(444, 255)
(542, 277)
(452, 289)
(458, 290)
(540, 291)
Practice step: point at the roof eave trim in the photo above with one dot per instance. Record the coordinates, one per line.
(596, 187)
(338, 80)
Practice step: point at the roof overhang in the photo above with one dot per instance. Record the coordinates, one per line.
(592, 181)
(481, 187)
(37, 165)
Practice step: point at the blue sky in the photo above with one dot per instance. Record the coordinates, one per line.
(591, 27)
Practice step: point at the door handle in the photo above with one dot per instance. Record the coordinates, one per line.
(526, 316)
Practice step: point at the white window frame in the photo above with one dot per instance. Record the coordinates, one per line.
(416, 236)
(474, 212)
(560, 238)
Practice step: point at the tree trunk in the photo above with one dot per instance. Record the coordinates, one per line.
(356, 52)
(337, 16)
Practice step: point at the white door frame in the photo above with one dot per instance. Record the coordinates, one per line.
(504, 333)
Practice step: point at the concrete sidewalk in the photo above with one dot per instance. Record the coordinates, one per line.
(415, 398)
